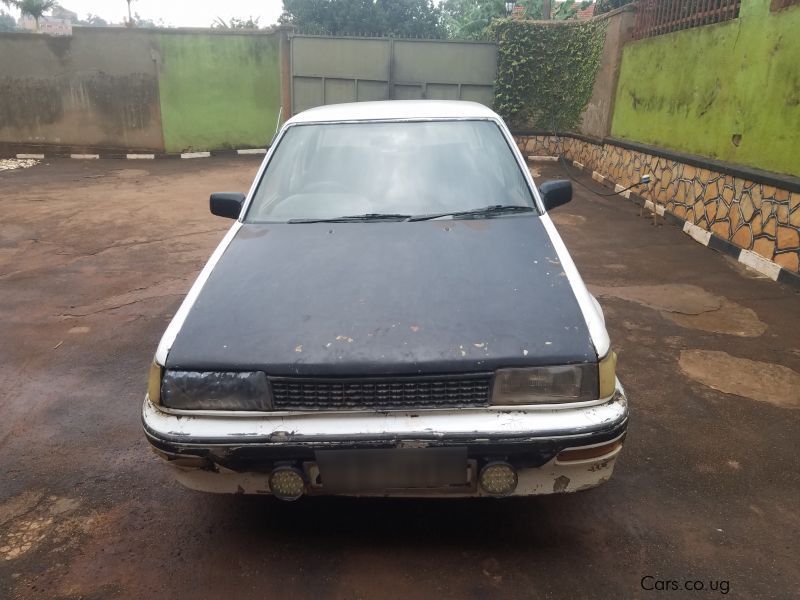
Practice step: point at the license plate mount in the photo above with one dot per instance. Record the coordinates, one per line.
(377, 469)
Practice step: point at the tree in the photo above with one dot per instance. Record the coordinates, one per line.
(412, 18)
(92, 21)
(471, 18)
(129, 22)
(604, 6)
(138, 21)
(32, 8)
(234, 23)
(7, 22)
(568, 9)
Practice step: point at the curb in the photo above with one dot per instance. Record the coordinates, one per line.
(747, 257)
(708, 239)
(143, 156)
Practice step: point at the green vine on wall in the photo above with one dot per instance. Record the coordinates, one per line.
(546, 71)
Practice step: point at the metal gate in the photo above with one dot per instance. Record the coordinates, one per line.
(329, 70)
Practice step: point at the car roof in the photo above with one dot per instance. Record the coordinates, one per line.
(394, 110)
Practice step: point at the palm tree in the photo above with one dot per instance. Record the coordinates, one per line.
(130, 19)
(33, 8)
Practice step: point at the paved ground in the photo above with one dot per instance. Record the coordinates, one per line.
(94, 259)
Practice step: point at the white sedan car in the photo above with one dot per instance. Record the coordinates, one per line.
(391, 313)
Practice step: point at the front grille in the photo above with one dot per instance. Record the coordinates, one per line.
(397, 393)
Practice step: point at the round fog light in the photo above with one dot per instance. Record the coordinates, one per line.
(286, 483)
(498, 479)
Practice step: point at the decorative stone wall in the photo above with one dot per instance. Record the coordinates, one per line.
(753, 216)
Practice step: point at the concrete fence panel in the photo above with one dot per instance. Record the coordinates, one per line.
(138, 90)
(218, 90)
(95, 89)
(329, 70)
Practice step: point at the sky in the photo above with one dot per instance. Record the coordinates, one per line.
(177, 13)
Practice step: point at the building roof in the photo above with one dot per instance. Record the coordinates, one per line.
(583, 14)
(394, 109)
(587, 13)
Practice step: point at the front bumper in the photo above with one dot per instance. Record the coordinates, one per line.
(235, 453)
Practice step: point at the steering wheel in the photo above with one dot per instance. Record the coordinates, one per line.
(326, 185)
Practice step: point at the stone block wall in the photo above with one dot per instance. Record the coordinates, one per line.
(753, 212)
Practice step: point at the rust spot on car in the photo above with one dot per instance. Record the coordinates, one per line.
(560, 484)
(598, 466)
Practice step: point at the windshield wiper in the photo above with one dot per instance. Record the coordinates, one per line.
(355, 218)
(495, 209)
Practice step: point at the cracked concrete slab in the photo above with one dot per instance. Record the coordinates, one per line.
(690, 306)
(757, 380)
(731, 318)
(670, 297)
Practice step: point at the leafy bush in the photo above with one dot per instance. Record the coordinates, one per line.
(546, 71)
(471, 19)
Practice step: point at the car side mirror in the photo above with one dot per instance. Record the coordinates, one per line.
(227, 204)
(555, 193)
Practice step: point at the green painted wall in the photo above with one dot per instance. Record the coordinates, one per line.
(729, 91)
(218, 90)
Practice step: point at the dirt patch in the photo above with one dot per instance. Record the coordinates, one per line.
(18, 506)
(674, 297)
(690, 306)
(131, 173)
(11, 235)
(30, 520)
(731, 318)
(761, 381)
(567, 219)
(616, 267)
(172, 287)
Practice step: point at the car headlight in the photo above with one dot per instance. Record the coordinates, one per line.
(213, 390)
(545, 385)
(555, 385)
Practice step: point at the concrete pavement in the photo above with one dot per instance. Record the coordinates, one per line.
(94, 259)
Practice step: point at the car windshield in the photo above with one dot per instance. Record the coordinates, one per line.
(375, 171)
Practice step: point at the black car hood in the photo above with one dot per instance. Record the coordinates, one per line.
(349, 299)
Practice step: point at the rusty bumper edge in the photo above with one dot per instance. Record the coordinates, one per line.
(579, 432)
